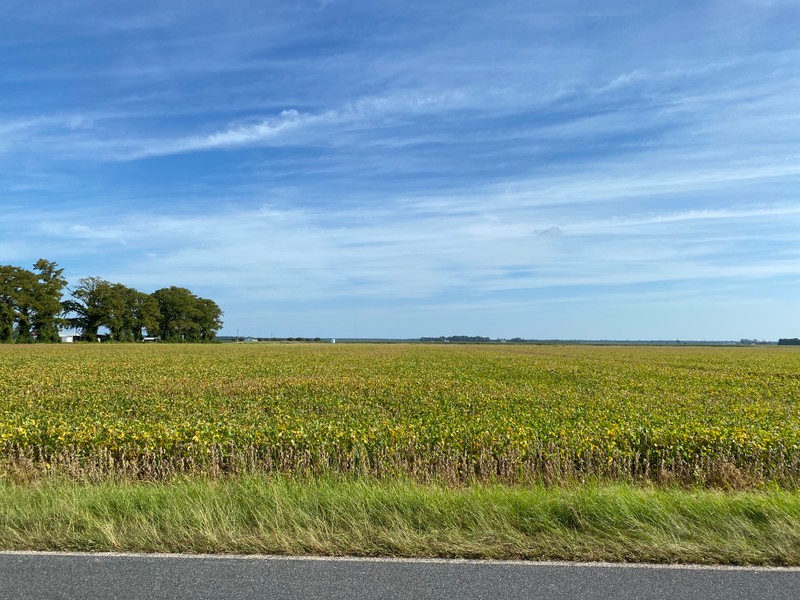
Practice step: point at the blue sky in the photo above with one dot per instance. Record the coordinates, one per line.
(564, 169)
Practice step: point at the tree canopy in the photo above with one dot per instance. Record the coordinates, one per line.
(186, 318)
(30, 302)
(33, 309)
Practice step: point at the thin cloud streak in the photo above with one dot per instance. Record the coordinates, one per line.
(292, 124)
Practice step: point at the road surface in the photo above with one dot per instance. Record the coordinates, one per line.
(42, 576)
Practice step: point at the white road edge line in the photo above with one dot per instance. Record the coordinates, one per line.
(448, 561)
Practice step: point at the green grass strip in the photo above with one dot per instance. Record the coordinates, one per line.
(274, 515)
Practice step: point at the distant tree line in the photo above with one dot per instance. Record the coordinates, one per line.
(469, 339)
(789, 342)
(249, 338)
(33, 309)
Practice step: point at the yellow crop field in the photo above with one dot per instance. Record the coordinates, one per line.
(718, 416)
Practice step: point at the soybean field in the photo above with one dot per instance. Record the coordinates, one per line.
(725, 417)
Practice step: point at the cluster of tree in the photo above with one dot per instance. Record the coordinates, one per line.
(32, 309)
(789, 342)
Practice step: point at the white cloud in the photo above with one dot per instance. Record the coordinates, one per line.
(274, 253)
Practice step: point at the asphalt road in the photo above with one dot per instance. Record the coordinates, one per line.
(42, 576)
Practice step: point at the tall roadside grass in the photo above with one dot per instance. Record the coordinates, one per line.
(365, 517)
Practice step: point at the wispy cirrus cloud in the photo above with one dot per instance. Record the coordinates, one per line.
(291, 126)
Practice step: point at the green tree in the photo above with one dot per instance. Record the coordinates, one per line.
(118, 307)
(8, 303)
(129, 312)
(47, 300)
(185, 317)
(90, 306)
(6, 322)
(209, 318)
(17, 287)
(146, 314)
